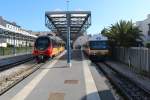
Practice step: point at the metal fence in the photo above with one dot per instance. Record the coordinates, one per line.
(138, 58)
(10, 50)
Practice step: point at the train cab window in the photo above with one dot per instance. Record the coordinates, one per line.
(98, 44)
(42, 43)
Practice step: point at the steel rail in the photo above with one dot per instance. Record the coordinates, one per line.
(127, 88)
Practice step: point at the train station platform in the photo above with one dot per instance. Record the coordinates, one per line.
(56, 81)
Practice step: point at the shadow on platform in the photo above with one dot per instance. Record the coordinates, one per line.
(104, 95)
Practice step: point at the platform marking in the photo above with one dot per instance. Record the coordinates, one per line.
(71, 81)
(22, 94)
(56, 96)
(91, 90)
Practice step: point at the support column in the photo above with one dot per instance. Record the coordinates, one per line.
(68, 40)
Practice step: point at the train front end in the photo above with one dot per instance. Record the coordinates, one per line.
(99, 49)
(42, 48)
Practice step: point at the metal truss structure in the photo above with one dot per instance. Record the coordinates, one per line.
(68, 25)
(59, 21)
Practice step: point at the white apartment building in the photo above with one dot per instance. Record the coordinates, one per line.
(144, 26)
(13, 34)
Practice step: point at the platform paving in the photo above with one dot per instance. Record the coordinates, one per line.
(56, 81)
(101, 83)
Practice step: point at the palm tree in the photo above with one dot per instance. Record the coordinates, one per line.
(123, 33)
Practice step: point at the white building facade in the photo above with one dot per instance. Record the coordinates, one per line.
(144, 26)
(13, 34)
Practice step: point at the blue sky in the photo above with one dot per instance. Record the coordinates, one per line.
(30, 13)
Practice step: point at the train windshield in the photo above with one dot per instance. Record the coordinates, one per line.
(98, 44)
(42, 43)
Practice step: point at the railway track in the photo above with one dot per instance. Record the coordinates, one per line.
(11, 81)
(125, 86)
(8, 81)
(14, 61)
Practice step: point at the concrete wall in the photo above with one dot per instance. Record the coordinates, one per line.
(138, 58)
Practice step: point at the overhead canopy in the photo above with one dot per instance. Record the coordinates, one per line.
(57, 22)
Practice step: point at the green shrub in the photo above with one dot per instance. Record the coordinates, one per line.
(148, 45)
(10, 45)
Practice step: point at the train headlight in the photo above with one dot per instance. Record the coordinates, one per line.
(94, 53)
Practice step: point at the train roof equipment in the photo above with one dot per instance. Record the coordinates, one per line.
(97, 38)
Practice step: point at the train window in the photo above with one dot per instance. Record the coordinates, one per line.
(42, 43)
(98, 44)
(54, 43)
